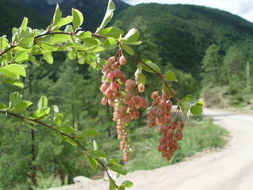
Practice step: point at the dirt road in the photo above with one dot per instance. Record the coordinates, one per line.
(228, 169)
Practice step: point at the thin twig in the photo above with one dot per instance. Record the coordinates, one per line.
(52, 33)
(8, 49)
(159, 75)
(46, 34)
(63, 134)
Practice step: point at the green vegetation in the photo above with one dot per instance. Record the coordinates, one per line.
(182, 33)
(212, 49)
(225, 76)
(198, 136)
(194, 42)
(12, 13)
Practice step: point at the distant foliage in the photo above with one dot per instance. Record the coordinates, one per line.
(182, 33)
(226, 78)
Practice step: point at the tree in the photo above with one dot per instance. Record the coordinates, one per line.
(211, 66)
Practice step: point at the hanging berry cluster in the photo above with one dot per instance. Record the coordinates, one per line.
(127, 106)
(160, 115)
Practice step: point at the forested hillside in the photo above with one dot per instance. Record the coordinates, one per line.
(12, 13)
(182, 33)
(40, 12)
(92, 9)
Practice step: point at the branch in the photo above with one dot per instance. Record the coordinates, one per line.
(159, 75)
(52, 33)
(46, 34)
(63, 134)
(8, 49)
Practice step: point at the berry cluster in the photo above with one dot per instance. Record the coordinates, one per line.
(168, 141)
(126, 108)
(112, 79)
(160, 114)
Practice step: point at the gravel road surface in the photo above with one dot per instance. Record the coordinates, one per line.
(230, 168)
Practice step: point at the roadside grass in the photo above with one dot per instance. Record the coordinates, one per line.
(198, 136)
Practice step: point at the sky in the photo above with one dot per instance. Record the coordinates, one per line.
(243, 8)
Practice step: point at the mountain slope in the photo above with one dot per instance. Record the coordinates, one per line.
(93, 10)
(12, 13)
(183, 32)
(40, 12)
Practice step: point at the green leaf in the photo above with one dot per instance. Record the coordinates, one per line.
(127, 184)
(151, 67)
(77, 18)
(21, 106)
(14, 68)
(15, 98)
(92, 162)
(132, 36)
(98, 154)
(48, 58)
(71, 55)
(90, 42)
(14, 83)
(84, 35)
(3, 43)
(139, 76)
(48, 47)
(170, 76)
(189, 98)
(21, 56)
(89, 133)
(26, 38)
(9, 75)
(69, 28)
(58, 119)
(119, 170)
(60, 38)
(113, 32)
(134, 43)
(24, 23)
(197, 109)
(109, 42)
(185, 107)
(81, 58)
(64, 21)
(112, 185)
(67, 129)
(43, 102)
(41, 113)
(128, 49)
(56, 109)
(57, 15)
(95, 145)
(2, 107)
(113, 165)
(108, 16)
(69, 140)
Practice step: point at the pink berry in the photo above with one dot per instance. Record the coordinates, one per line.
(103, 87)
(155, 95)
(111, 60)
(122, 60)
(141, 88)
(104, 101)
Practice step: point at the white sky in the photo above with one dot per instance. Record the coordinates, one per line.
(243, 8)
